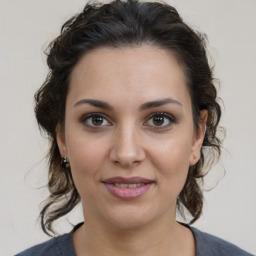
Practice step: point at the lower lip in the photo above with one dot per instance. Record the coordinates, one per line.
(128, 193)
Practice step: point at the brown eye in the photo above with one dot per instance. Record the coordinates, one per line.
(158, 120)
(95, 120)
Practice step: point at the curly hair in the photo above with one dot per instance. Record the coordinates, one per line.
(118, 24)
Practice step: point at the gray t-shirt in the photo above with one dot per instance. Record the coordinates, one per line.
(206, 245)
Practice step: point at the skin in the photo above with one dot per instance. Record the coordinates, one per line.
(127, 141)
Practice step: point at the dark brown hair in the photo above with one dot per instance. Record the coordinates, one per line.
(118, 24)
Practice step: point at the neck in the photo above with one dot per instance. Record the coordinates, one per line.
(166, 237)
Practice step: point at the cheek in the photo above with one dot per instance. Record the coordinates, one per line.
(171, 159)
(86, 157)
(172, 154)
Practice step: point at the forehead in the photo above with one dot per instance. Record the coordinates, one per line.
(129, 72)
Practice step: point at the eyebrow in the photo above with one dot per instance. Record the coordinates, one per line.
(144, 106)
(95, 103)
(158, 103)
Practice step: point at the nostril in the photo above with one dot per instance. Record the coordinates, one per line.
(127, 149)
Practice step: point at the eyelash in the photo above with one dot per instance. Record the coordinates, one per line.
(171, 120)
(85, 119)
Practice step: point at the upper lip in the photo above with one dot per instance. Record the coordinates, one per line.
(131, 180)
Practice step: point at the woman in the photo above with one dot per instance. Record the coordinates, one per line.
(130, 109)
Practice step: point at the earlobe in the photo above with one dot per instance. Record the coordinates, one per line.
(60, 137)
(199, 138)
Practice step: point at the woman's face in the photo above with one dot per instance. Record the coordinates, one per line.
(129, 134)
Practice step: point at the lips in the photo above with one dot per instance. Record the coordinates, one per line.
(131, 180)
(127, 188)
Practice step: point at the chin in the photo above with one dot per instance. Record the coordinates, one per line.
(129, 223)
(130, 218)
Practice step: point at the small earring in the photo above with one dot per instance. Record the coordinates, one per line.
(195, 160)
(65, 162)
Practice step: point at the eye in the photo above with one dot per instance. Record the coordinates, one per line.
(95, 120)
(160, 120)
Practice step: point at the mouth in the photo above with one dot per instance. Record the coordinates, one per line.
(120, 185)
(128, 188)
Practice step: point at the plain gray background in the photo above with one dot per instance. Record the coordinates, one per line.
(27, 26)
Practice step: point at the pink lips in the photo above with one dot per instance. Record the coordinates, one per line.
(127, 188)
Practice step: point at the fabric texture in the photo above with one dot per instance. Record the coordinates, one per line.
(206, 245)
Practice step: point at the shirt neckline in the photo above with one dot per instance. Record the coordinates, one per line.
(70, 245)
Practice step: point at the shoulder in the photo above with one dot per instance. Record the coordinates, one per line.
(210, 245)
(58, 246)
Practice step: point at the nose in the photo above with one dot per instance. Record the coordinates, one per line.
(127, 149)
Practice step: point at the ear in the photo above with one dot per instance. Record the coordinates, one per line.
(198, 138)
(61, 141)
